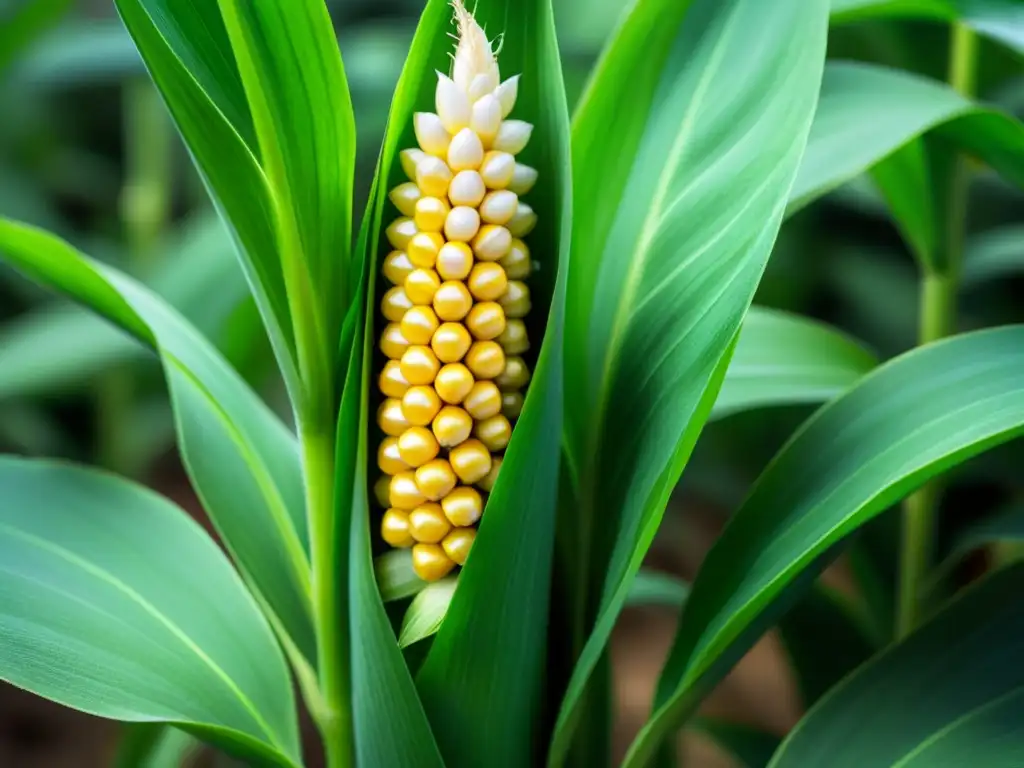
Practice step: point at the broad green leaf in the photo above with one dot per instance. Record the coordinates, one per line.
(1002, 20)
(785, 359)
(113, 601)
(426, 611)
(153, 745)
(681, 176)
(290, 67)
(950, 694)
(826, 639)
(241, 459)
(188, 54)
(62, 345)
(994, 254)
(904, 423)
(1002, 528)
(868, 112)
(494, 637)
(395, 576)
(749, 747)
(22, 25)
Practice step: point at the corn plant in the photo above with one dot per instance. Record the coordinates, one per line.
(496, 381)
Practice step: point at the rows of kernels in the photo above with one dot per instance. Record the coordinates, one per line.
(453, 381)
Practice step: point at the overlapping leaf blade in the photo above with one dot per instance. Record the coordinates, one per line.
(950, 694)
(902, 424)
(114, 602)
(242, 460)
(785, 359)
(674, 220)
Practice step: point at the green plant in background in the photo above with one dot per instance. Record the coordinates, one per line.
(703, 126)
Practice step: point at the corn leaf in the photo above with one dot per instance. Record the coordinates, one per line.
(494, 637)
(241, 459)
(748, 746)
(682, 173)
(784, 359)
(1003, 528)
(427, 611)
(1002, 20)
(82, 553)
(904, 423)
(950, 694)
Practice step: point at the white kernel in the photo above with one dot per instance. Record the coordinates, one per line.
(452, 104)
(523, 221)
(430, 134)
(462, 223)
(498, 207)
(467, 188)
(466, 152)
(411, 158)
(492, 243)
(506, 93)
(433, 176)
(497, 169)
(523, 179)
(486, 119)
(482, 83)
(404, 197)
(513, 136)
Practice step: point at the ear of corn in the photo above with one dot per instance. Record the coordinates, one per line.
(453, 335)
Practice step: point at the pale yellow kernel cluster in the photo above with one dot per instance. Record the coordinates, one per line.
(454, 337)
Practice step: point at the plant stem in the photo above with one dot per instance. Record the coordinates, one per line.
(335, 720)
(939, 284)
(145, 210)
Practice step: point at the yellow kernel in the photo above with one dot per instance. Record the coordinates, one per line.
(417, 446)
(435, 479)
(512, 404)
(382, 491)
(467, 188)
(487, 484)
(427, 524)
(487, 281)
(453, 383)
(423, 249)
(451, 426)
(419, 365)
(430, 562)
(486, 320)
(420, 405)
(458, 543)
(515, 301)
(517, 261)
(471, 461)
(454, 261)
(514, 339)
(404, 197)
(430, 213)
(452, 301)
(483, 400)
(462, 223)
(451, 342)
(515, 376)
(486, 359)
(494, 432)
(421, 285)
(388, 458)
(392, 343)
(492, 242)
(466, 151)
(410, 158)
(497, 207)
(463, 506)
(418, 325)
(397, 267)
(394, 304)
(390, 417)
(400, 232)
(430, 134)
(523, 221)
(433, 176)
(404, 493)
(392, 382)
(394, 529)
(497, 169)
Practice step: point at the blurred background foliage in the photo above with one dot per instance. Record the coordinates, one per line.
(87, 151)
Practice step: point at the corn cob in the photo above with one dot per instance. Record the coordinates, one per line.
(452, 386)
